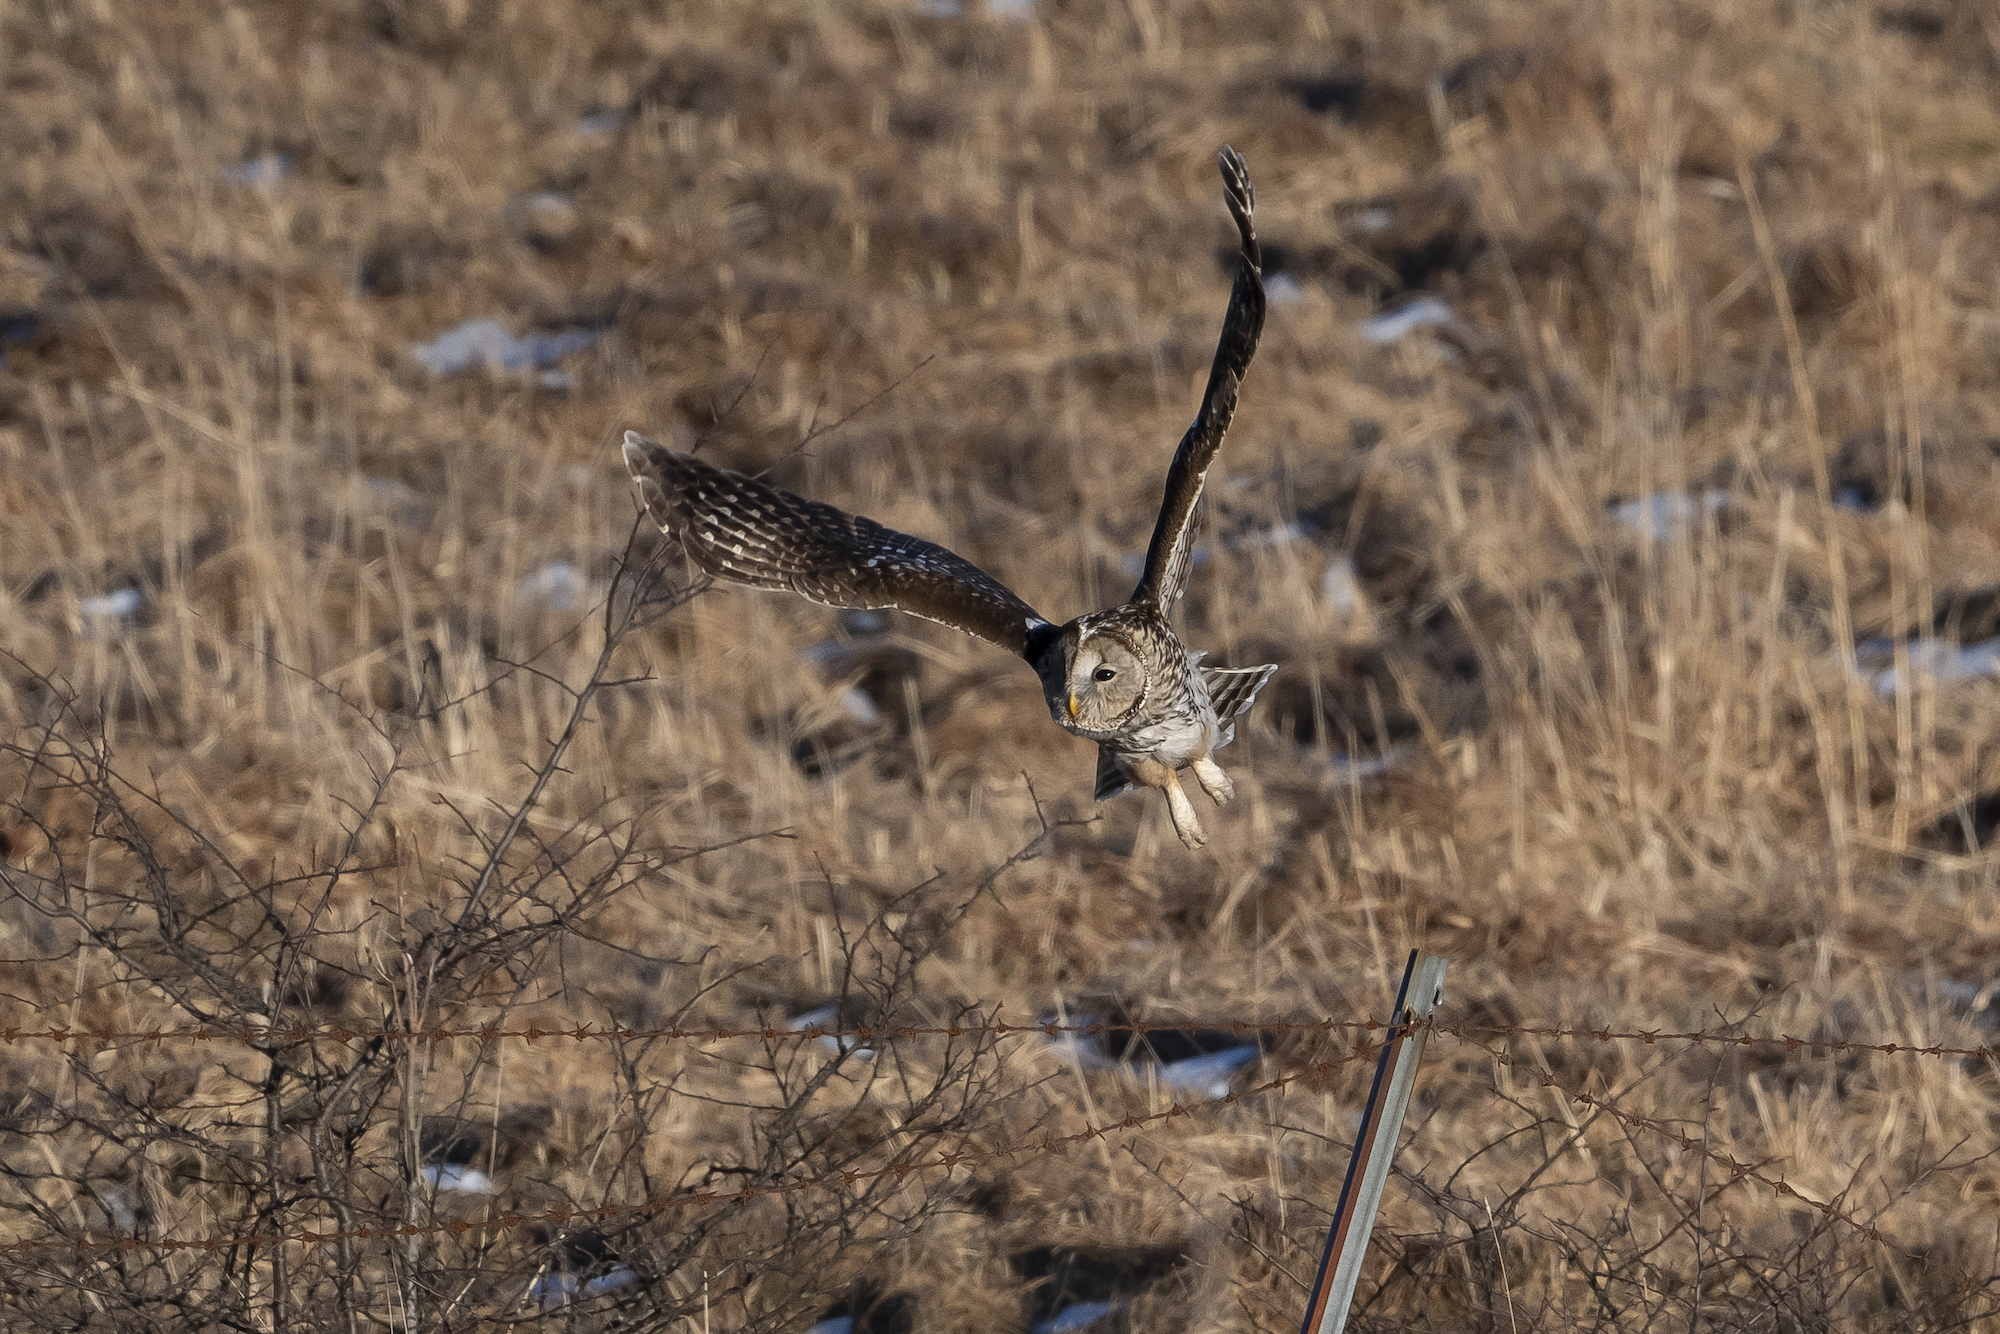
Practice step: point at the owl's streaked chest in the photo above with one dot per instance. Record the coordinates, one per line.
(1172, 741)
(1179, 722)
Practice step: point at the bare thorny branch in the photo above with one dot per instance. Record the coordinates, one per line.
(290, 1133)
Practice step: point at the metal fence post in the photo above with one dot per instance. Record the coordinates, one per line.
(1375, 1145)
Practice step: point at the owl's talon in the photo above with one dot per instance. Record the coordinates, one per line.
(1186, 825)
(1219, 786)
(1182, 811)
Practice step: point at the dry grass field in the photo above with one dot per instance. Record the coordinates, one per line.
(1614, 589)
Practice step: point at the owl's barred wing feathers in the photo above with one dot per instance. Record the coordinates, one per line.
(740, 529)
(1173, 536)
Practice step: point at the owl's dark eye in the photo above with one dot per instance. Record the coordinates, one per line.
(1103, 674)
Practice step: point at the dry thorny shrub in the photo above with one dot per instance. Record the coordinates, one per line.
(361, 1133)
(1612, 573)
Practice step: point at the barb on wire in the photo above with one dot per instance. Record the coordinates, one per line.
(563, 1216)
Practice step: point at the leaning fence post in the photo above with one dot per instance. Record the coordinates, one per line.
(1375, 1145)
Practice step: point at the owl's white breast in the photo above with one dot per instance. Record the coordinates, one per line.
(1171, 741)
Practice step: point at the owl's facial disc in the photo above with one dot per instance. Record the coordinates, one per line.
(1105, 682)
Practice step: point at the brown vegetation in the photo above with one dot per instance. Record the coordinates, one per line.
(406, 723)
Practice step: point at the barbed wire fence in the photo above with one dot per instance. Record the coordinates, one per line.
(1366, 1034)
(304, 1190)
(298, 1035)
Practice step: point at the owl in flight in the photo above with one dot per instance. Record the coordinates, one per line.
(1119, 677)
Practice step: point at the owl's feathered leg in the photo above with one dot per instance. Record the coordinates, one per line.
(1217, 784)
(1152, 773)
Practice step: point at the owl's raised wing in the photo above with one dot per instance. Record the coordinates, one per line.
(1173, 536)
(740, 529)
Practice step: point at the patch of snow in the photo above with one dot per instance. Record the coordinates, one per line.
(1277, 535)
(465, 1179)
(1943, 662)
(1661, 516)
(1208, 1075)
(1086, 1049)
(545, 204)
(1010, 9)
(543, 216)
(555, 1288)
(1347, 769)
(1377, 219)
(263, 172)
(864, 622)
(1283, 289)
(828, 1016)
(1981, 1003)
(118, 1208)
(560, 586)
(1389, 325)
(1339, 588)
(860, 707)
(1076, 1317)
(105, 615)
(486, 342)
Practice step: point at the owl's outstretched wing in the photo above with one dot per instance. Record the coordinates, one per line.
(740, 529)
(1173, 536)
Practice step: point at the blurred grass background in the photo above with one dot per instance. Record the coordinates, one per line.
(1600, 594)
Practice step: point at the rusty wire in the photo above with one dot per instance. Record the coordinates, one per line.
(565, 1215)
(1474, 1034)
(265, 1038)
(1791, 1044)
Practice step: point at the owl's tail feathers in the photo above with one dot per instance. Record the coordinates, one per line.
(1112, 777)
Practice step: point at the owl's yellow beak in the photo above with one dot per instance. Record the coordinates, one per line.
(1072, 708)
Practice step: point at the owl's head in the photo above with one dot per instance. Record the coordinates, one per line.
(1099, 680)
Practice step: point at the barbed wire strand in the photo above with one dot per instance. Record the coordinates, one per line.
(564, 1215)
(1472, 1034)
(252, 1035)
(1697, 1037)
